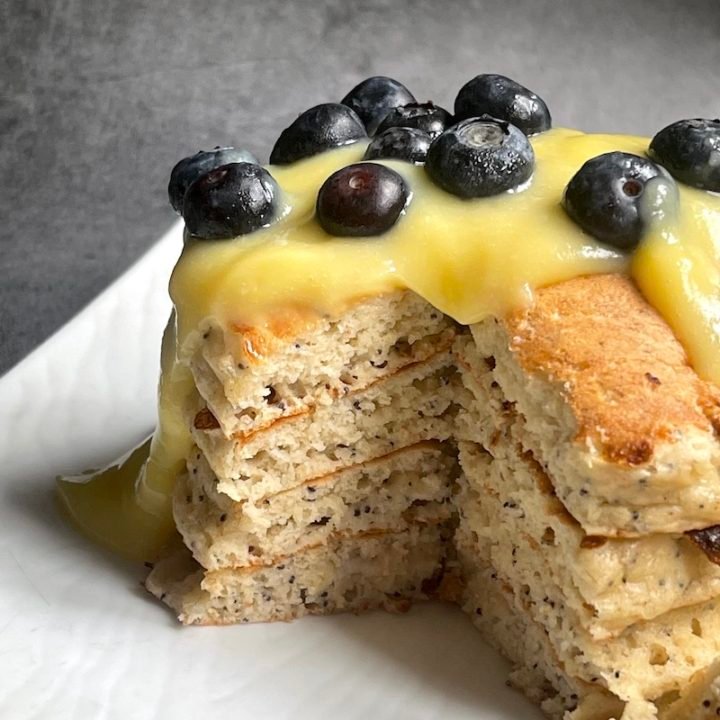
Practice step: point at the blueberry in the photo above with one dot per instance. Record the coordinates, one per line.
(360, 200)
(605, 197)
(191, 168)
(480, 157)
(503, 98)
(399, 143)
(690, 150)
(320, 128)
(373, 98)
(428, 117)
(231, 200)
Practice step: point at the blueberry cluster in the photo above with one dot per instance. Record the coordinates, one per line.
(479, 150)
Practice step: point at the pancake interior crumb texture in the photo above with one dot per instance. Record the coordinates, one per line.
(555, 472)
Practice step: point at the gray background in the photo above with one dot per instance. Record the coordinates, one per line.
(98, 100)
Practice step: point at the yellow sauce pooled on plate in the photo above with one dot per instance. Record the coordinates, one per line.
(469, 258)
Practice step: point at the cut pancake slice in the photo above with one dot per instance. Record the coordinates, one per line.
(253, 376)
(600, 584)
(647, 659)
(639, 671)
(490, 604)
(606, 400)
(408, 486)
(377, 570)
(414, 404)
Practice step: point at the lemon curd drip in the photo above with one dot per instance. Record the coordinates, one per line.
(469, 258)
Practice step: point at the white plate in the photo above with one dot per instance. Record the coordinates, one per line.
(80, 639)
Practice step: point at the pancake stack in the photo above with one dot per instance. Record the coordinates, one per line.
(555, 472)
(319, 480)
(590, 457)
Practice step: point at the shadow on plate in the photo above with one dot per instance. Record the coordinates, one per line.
(435, 645)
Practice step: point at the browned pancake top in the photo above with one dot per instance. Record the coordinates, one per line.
(623, 372)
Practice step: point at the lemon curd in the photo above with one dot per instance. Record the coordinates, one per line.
(469, 258)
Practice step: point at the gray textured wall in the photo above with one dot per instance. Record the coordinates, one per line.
(99, 99)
